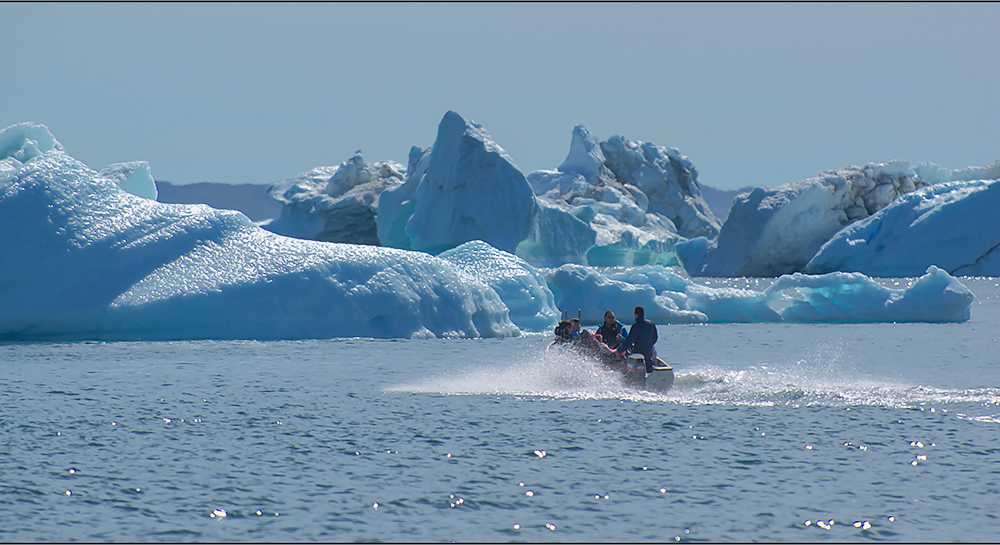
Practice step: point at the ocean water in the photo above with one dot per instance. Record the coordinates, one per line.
(773, 432)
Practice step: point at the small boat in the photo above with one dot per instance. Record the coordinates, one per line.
(633, 369)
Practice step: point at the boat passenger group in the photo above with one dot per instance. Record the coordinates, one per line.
(611, 342)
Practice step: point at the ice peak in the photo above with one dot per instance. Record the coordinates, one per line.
(585, 157)
(25, 141)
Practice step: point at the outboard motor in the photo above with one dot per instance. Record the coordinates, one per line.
(635, 370)
(662, 377)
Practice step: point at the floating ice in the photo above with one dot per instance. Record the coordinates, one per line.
(334, 204)
(520, 286)
(668, 179)
(134, 177)
(589, 217)
(669, 296)
(854, 297)
(471, 190)
(954, 225)
(770, 232)
(82, 259)
(584, 289)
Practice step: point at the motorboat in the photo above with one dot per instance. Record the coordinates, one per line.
(632, 368)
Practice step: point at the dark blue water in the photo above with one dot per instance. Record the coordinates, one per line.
(773, 432)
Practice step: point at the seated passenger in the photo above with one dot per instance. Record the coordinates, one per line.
(563, 334)
(611, 331)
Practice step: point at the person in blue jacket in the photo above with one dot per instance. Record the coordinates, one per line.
(641, 339)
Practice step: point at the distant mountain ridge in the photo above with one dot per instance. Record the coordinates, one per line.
(251, 199)
(720, 200)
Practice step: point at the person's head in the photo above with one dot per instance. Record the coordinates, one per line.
(574, 324)
(562, 330)
(609, 317)
(640, 313)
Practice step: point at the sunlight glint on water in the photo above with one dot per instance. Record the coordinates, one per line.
(772, 432)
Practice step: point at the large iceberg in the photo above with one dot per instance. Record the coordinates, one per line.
(82, 259)
(617, 203)
(668, 180)
(588, 216)
(770, 232)
(954, 225)
(334, 204)
(469, 190)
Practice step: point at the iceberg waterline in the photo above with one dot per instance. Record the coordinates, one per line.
(81, 258)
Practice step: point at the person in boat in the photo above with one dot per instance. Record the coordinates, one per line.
(591, 346)
(563, 332)
(641, 339)
(611, 331)
(569, 334)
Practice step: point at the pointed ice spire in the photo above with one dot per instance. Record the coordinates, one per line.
(585, 157)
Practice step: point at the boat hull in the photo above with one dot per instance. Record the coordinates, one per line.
(632, 370)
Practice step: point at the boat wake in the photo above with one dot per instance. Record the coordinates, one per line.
(566, 376)
(556, 374)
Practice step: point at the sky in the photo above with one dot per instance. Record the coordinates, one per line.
(754, 94)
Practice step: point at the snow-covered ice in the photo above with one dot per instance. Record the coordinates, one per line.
(521, 287)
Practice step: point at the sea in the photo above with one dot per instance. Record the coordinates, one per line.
(772, 432)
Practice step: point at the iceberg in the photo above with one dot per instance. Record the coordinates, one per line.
(617, 203)
(887, 219)
(83, 259)
(670, 297)
(853, 297)
(465, 187)
(586, 216)
(669, 181)
(590, 293)
(134, 177)
(469, 190)
(520, 286)
(397, 205)
(770, 232)
(334, 204)
(953, 225)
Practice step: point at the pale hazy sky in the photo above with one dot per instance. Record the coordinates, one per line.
(754, 94)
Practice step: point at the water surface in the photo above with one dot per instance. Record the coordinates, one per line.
(773, 432)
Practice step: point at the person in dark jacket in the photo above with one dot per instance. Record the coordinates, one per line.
(641, 339)
(611, 330)
(563, 334)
